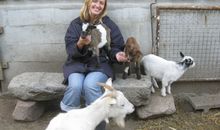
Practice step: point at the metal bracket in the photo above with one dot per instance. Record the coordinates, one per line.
(1, 30)
(3, 66)
(1, 73)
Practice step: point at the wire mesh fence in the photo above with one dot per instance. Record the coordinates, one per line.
(194, 32)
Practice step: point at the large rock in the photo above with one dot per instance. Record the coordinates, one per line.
(137, 91)
(28, 110)
(37, 86)
(158, 106)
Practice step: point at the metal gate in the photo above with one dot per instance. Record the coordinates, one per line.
(194, 30)
(1, 71)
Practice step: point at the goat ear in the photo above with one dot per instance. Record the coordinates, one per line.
(181, 54)
(107, 120)
(109, 82)
(105, 86)
(111, 95)
(84, 26)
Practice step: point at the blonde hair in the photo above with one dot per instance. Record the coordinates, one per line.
(84, 12)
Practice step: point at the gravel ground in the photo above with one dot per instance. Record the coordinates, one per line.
(184, 119)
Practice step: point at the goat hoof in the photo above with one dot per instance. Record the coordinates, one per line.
(124, 76)
(152, 91)
(164, 95)
(169, 93)
(139, 77)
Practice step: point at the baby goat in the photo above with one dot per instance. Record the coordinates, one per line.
(100, 37)
(112, 104)
(133, 52)
(165, 71)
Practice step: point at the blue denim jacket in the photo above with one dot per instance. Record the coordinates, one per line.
(81, 60)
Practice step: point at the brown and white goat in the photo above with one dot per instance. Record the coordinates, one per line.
(133, 52)
(100, 37)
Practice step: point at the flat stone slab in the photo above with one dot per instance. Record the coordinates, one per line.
(205, 102)
(157, 106)
(37, 86)
(137, 91)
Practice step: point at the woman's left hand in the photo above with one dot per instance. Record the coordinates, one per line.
(121, 57)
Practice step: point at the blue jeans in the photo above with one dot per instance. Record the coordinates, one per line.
(82, 85)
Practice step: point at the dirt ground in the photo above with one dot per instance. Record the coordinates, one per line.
(184, 119)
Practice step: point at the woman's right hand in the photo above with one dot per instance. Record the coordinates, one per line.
(121, 57)
(84, 41)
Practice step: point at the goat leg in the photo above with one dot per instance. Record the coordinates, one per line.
(125, 73)
(137, 70)
(129, 69)
(164, 86)
(154, 82)
(97, 56)
(169, 88)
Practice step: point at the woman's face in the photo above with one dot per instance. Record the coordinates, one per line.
(96, 7)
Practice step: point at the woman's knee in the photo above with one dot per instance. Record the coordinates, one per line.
(75, 82)
(92, 79)
(91, 89)
(75, 79)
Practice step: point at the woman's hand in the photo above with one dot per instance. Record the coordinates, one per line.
(121, 57)
(84, 41)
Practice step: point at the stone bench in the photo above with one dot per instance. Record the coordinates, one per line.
(31, 88)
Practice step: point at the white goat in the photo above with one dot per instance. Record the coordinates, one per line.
(100, 37)
(165, 71)
(112, 104)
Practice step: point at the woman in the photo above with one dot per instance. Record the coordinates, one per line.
(80, 70)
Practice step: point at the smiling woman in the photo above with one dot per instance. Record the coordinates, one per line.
(93, 10)
(96, 8)
(81, 72)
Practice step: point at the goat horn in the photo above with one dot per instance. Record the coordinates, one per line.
(111, 95)
(105, 86)
(107, 120)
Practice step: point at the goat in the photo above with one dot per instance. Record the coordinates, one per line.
(87, 29)
(165, 71)
(100, 37)
(112, 104)
(133, 52)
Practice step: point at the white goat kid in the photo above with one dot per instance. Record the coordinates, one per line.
(165, 71)
(112, 104)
